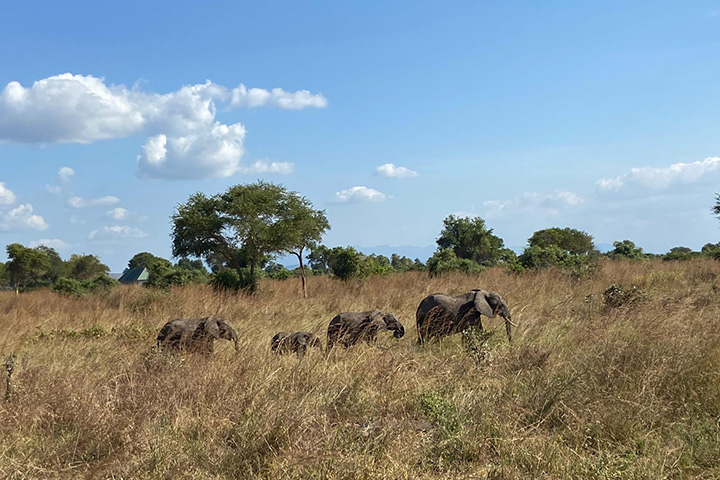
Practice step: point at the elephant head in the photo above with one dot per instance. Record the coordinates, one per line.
(226, 331)
(387, 321)
(491, 304)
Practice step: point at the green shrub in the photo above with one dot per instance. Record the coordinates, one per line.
(445, 260)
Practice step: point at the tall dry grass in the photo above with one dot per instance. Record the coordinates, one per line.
(584, 390)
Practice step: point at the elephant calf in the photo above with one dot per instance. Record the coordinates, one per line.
(295, 342)
(349, 328)
(195, 334)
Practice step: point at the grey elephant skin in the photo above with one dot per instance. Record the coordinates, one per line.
(195, 334)
(294, 342)
(349, 328)
(439, 314)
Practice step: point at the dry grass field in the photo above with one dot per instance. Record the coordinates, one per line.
(584, 391)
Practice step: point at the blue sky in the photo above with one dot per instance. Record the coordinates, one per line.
(601, 116)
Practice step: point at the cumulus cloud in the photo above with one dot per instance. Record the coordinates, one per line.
(7, 197)
(262, 166)
(22, 218)
(116, 232)
(661, 178)
(210, 153)
(71, 108)
(79, 202)
(118, 213)
(277, 97)
(359, 194)
(392, 171)
(65, 174)
(54, 189)
(535, 202)
(55, 243)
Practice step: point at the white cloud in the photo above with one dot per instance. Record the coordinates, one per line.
(7, 197)
(78, 202)
(22, 218)
(277, 97)
(211, 153)
(65, 174)
(118, 213)
(184, 139)
(262, 166)
(360, 194)
(390, 170)
(533, 202)
(53, 189)
(55, 243)
(116, 232)
(661, 178)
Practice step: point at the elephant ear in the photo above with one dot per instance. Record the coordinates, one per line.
(226, 331)
(210, 325)
(377, 318)
(482, 304)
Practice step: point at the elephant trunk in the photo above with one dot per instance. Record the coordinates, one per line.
(508, 327)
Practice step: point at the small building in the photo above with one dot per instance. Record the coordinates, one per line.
(134, 276)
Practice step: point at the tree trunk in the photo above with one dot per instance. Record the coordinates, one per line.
(302, 272)
(253, 280)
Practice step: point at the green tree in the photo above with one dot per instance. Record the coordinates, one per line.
(679, 253)
(318, 259)
(626, 249)
(574, 242)
(148, 260)
(716, 207)
(245, 226)
(57, 267)
(711, 250)
(187, 264)
(469, 238)
(25, 265)
(4, 276)
(86, 267)
(345, 263)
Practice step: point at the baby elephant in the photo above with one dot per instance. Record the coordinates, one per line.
(349, 328)
(196, 334)
(295, 342)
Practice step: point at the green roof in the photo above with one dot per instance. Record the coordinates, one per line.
(134, 275)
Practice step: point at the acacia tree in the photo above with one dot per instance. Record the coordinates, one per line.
(716, 207)
(246, 225)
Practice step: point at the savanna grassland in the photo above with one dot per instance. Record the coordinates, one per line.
(586, 390)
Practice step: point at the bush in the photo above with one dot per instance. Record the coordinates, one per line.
(78, 288)
(69, 286)
(616, 296)
(444, 261)
(229, 280)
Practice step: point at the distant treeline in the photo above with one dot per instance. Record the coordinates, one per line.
(236, 236)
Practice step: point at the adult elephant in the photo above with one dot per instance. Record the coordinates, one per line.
(295, 342)
(349, 328)
(439, 314)
(195, 334)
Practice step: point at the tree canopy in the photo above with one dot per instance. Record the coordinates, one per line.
(245, 226)
(469, 238)
(571, 240)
